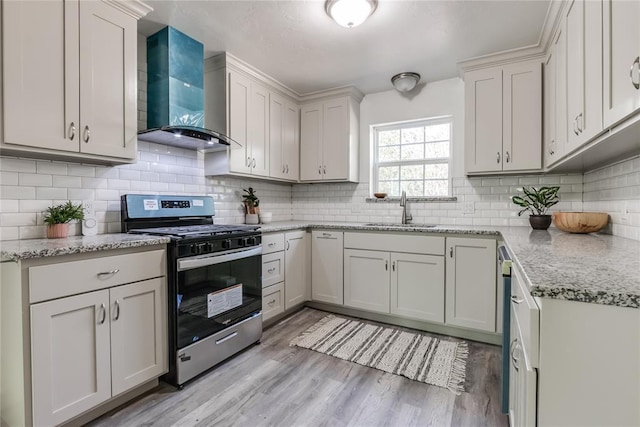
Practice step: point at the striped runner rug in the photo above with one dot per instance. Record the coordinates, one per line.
(413, 355)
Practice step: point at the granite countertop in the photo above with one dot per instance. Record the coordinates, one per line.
(15, 250)
(592, 268)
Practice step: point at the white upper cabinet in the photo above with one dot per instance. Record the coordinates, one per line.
(69, 77)
(621, 30)
(583, 26)
(255, 112)
(503, 118)
(329, 140)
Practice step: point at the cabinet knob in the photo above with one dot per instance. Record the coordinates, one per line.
(103, 312)
(507, 157)
(72, 131)
(254, 163)
(319, 170)
(633, 65)
(288, 245)
(271, 270)
(393, 266)
(324, 169)
(514, 359)
(516, 300)
(87, 134)
(117, 307)
(271, 302)
(248, 162)
(498, 157)
(579, 122)
(451, 252)
(386, 266)
(287, 169)
(282, 168)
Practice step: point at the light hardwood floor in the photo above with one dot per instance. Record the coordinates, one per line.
(272, 384)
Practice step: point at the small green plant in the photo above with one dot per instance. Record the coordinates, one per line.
(251, 201)
(536, 201)
(63, 213)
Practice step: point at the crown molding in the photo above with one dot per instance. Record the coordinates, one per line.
(134, 8)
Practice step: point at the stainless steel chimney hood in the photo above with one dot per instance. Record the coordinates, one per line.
(175, 94)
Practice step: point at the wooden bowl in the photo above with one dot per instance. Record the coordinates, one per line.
(380, 195)
(580, 222)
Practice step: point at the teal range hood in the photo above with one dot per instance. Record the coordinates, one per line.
(175, 94)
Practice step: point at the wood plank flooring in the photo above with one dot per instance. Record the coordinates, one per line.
(272, 384)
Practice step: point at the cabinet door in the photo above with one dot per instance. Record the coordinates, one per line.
(311, 142)
(272, 268)
(561, 124)
(138, 333)
(366, 279)
(108, 81)
(621, 57)
(40, 74)
(259, 130)
(471, 283)
(417, 286)
(335, 137)
(326, 266)
(522, 116)
(295, 255)
(483, 120)
(277, 111)
(70, 364)
(549, 109)
(291, 141)
(239, 97)
(575, 69)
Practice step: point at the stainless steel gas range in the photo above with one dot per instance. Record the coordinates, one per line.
(214, 279)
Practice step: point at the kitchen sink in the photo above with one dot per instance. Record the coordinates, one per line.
(391, 224)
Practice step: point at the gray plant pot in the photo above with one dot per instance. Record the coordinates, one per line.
(540, 222)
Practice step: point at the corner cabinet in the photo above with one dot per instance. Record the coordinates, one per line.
(70, 79)
(503, 118)
(259, 114)
(78, 343)
(329, 132)
(471, 283)
(327, 266)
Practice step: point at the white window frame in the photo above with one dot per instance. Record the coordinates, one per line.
(375, 163)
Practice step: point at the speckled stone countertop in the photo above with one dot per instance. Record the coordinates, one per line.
(14, 250)
(593, 268)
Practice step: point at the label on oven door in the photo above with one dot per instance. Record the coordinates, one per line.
(226, 299)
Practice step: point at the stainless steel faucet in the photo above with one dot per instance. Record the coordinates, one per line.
(403, 202)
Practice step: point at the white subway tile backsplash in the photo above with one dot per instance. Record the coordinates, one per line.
(66, 181)
(81, 170)
(17, 219)
(17, 192)
(35, 180)
(50, 193)
(9, 178)
(52, 168)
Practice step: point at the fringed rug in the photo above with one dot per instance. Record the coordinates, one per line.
(412, 355)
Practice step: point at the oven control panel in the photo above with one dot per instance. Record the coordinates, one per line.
(220, 244)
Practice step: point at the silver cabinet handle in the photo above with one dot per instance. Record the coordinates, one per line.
(87, 134)
(287, 169)
(282, 168)
(326, 234)
(579, 122)
(254, 163)
(498, 157)
(72, 131)
(108, 273)
(575, 125)
(516, 300)
(271, 270)
(117, 306)
(271, 302)
(451, 252)
(319, 170)
(104, 314)
(393, 266)
(507, 157)
(633, 65)
(272, 244)
(248, 162)
(386, 265)
(324, 170)
(288, 245)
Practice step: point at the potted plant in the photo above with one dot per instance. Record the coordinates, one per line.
(58, 217)
(251, 209)
(538, 202)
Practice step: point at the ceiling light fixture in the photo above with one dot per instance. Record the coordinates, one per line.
(350, 13)
(405, 82)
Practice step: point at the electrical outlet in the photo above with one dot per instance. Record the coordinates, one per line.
(87, 206)
(468, 208)
(624, 217)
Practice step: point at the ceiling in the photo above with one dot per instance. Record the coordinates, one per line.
(296, 43)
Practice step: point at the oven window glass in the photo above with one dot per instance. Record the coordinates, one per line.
(211, 298)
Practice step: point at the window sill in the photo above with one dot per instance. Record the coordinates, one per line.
(413, 199)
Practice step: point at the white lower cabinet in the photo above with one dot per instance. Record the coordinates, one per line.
(327, 266)
(471, 283)
(417, 286)
(89, 347)
(284, 272)
(405, 284)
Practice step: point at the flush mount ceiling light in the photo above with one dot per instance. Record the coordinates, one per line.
(350, 13)
(405, 82)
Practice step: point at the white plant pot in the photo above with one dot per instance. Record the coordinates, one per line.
(265, 217)
(251, 219)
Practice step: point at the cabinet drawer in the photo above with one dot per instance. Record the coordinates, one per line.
(69, 278)
(272, 243)
(272, 269)
(528, 317)
(272, 297)
(407, 243)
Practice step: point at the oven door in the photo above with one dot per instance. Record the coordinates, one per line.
(216, 291)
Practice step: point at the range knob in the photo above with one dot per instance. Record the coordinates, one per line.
(193, 248)
(226, 244)
(250, 241)
(202, 248)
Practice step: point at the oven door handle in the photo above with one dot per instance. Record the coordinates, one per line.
(191, 263)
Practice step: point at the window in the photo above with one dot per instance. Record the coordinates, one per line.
(414, 157)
